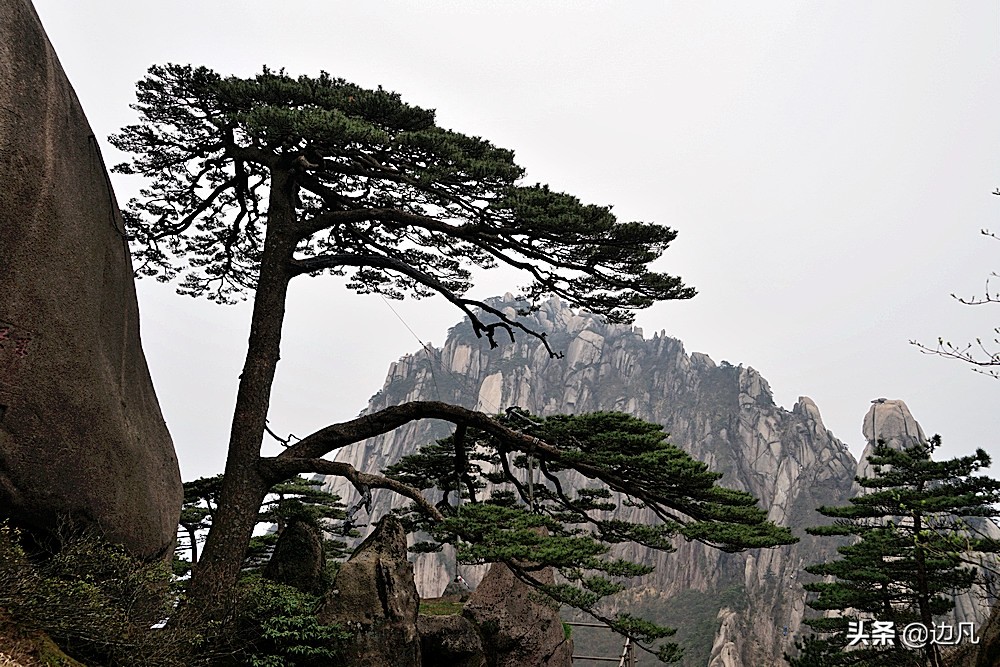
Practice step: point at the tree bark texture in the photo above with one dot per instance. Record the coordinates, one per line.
(244, 486)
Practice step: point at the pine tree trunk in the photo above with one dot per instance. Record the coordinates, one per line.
(923, 591)
(193, 536)
(214, 579)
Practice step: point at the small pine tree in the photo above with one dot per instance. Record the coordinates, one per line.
(916, 549)
(294, 497)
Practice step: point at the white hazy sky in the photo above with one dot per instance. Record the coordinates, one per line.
(827, 165)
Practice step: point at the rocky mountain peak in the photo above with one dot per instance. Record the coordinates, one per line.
(732, 610)
(888, 421)
(721, 414)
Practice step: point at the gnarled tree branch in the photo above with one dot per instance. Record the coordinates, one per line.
(337, 436)
(279, 468)
(312, 264)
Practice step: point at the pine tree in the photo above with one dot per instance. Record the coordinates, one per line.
(295, 497)
(200, 498)
(916, 547)
(491, 513)
(531, 511)
(256, 182)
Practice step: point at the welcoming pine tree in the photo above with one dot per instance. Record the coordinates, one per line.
(533, 510)
(255, 182)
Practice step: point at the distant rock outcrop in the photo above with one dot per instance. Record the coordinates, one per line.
(81, 433)
(721, 414)
(374, 596)
(888, 421)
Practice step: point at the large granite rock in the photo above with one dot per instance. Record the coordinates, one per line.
(450, 640)
(518, 626)
(374, 596)
(888, 421)
(81, 433)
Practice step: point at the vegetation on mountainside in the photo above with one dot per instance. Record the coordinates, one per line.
(104, 608)
(94, 600)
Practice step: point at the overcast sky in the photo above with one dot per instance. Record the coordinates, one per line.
(828, 167)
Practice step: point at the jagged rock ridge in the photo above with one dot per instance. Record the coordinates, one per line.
(721, 414)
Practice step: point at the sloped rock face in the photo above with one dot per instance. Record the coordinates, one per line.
(374, 596)
(984, 654)
(721, 414)
(518, 628)
(724, 649)
(81, 433)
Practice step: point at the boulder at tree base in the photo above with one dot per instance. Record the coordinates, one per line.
(519, 627)
(374, 597)
(450, 640)
(298, 558)
(81, 432)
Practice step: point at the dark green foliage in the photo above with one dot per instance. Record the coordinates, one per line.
(301, 499)
(295, 497)
(916, 549)
(95, 601)
(521, 511)
(275, 626)
(375, 178)
(99, 605)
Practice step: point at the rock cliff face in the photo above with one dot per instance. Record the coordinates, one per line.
(734, 609)
(81, 433)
